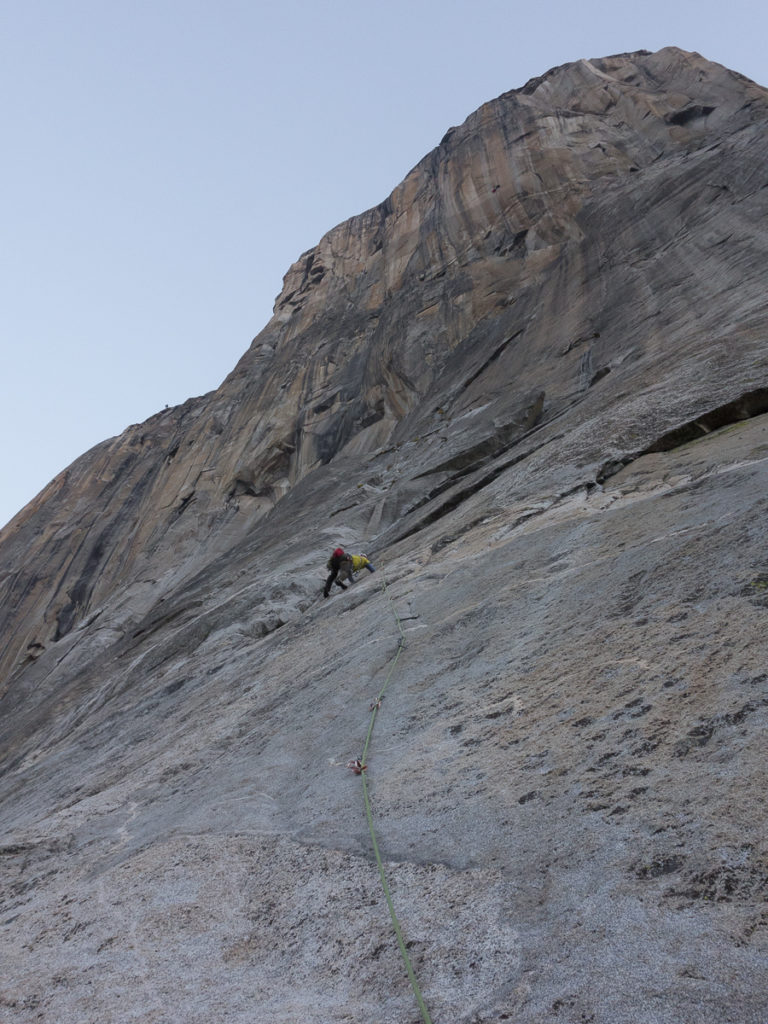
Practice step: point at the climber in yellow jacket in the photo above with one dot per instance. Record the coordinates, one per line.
(342, 565)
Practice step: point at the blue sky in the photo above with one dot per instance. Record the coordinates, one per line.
(165, 162)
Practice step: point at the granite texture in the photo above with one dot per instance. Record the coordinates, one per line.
(532, 385)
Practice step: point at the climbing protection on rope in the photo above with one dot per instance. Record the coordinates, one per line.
(359, 767)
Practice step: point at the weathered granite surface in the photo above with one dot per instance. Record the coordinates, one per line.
(533, 386)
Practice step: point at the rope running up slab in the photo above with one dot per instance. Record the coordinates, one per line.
(375, 707)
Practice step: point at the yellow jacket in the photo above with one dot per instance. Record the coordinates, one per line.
(359, 562)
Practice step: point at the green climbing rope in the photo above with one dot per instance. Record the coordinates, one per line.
(369, 815)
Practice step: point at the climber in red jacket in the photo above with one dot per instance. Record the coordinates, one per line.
(342, 566)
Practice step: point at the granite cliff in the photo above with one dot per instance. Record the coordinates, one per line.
(533, 386)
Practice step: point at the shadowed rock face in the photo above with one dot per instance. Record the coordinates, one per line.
(533, 386)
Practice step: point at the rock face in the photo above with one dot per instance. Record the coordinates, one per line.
(533, 386)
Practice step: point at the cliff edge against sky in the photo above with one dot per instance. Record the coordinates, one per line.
(533, 386)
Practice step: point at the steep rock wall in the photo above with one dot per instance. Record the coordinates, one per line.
(533, 384)
(565, 229)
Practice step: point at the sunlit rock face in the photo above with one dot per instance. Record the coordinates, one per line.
(532, 385)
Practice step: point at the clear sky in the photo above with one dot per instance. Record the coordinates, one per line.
(165, 161)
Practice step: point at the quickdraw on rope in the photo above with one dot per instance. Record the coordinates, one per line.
(359, 766)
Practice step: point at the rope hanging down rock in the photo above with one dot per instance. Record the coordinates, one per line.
(360, 768)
